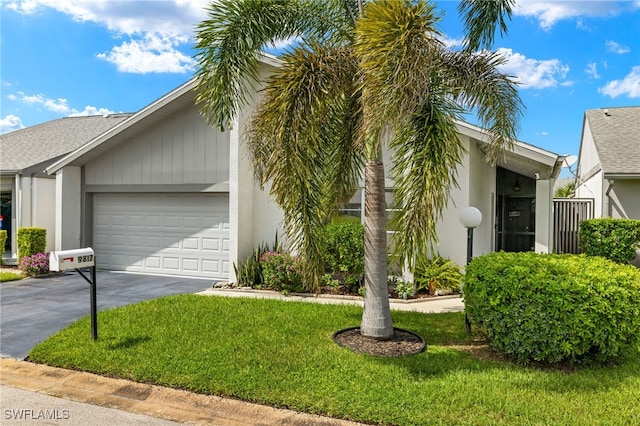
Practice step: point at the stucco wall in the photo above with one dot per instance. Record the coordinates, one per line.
(588, 157)
(68, 211)
(476, 179)
(589, 184)
(625, 199)
(43, 208)
(593, 188)
(253, 218)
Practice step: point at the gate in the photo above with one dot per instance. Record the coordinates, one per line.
(567, 214)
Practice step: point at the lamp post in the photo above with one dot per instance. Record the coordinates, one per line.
(470, 218)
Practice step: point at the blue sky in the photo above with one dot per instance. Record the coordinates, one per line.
(63, 57)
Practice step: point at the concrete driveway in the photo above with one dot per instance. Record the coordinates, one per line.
(33, 309)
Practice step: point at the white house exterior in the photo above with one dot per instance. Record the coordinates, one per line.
(609, 162)
(163, 192)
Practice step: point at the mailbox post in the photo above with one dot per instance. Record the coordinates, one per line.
(75, 259)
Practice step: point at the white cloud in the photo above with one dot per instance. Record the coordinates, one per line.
(616, 47)
(548, 13)
(127, 17)
(452, 43)
(59, 106)
(628, 86)
(153, 31)
(91, 110)
(10, 123)
(154, 53)
(534, 73)
(27, 6)
(592, 70)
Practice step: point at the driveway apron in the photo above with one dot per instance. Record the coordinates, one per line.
(33, 309)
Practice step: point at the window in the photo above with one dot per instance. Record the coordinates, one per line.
(353, 209)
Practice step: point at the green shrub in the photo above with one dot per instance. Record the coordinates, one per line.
(554, 308)
(249, 272)
(438, 273)
(404, 289)
(280, 272)
(31, 240)
(615, 239)
(3, 241)
(344, 253)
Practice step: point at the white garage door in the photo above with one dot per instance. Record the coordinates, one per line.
(178, 234)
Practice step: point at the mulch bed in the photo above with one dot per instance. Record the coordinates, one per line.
(402, 343)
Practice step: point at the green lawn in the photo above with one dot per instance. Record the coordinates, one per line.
(10, 276)
(282, 354)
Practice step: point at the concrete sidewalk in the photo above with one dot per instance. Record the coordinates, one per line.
(431, 305)
(32, 393)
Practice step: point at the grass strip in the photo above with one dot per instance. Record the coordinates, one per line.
(282, 354)
(10, 276)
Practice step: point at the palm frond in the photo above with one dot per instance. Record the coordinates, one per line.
(481, 17)
(426, 154)
(395, 42)
(302, 141)
(236, 31)
(480, 85)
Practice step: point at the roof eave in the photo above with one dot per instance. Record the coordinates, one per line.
(531, 151)
(621, 176)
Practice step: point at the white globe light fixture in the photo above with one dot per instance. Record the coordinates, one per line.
(470, 217)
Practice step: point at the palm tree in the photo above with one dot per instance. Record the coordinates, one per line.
(359, 77)
(565, 191)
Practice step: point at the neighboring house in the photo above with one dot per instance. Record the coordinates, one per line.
(163, 192)
(26, 191)
(609, 161)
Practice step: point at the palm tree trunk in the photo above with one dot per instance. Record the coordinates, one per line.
(376, 318)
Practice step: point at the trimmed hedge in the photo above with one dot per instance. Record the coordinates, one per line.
(615, 239)
(554, 308)
(31, 240)
(344, 253)
(3, 241)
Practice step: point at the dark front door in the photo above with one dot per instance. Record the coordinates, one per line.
(516, 224)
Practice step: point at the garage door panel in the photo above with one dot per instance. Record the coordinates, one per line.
(135, 241)
(153, 222)
(191, 244)
(153, 262)
(184, 234)
(191, 222)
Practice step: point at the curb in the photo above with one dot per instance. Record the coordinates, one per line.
(151, 400)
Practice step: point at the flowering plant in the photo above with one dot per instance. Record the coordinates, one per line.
(280, 271)
(34, 265)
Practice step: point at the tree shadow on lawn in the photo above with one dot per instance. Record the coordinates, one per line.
(450, 350)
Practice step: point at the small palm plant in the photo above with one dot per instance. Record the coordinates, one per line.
(437, 273)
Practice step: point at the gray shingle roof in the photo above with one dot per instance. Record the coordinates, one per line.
(45, 142)
(616, 133)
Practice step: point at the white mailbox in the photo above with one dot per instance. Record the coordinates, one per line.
(71, 259)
